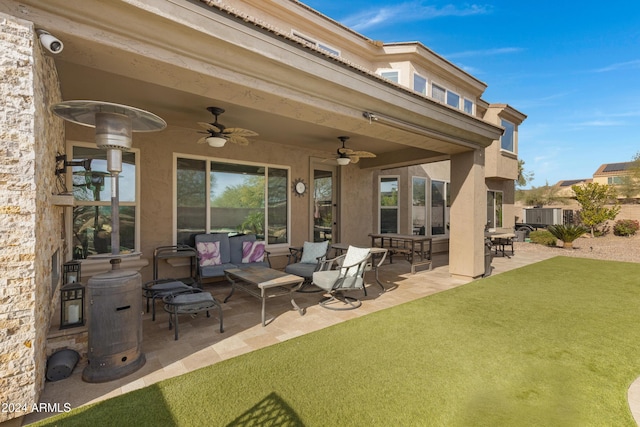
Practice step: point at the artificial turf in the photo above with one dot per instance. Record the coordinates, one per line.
(555, 343)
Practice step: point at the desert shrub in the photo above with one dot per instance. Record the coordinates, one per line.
(567, 233)
(626, 227)
(542, 237)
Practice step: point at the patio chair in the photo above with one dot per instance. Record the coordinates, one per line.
(304, 261)
(160, 288)
(348, 276)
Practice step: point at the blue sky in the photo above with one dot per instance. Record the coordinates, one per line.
(573, 67)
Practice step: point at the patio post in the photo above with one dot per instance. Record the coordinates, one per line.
(468, 214)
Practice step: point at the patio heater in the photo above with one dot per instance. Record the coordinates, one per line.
(115, 315)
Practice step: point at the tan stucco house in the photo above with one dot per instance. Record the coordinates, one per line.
(296, 78)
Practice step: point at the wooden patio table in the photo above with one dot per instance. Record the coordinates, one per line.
(264, 283)
(409, 245)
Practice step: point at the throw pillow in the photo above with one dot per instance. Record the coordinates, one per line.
(312, 251)
(252, 252)
(209, 253)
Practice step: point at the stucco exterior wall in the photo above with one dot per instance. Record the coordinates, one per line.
(31, 228)
(157, 194)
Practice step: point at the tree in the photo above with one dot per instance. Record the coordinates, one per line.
(524, 177)
(544, 195)
(592, 198)
(629, 185)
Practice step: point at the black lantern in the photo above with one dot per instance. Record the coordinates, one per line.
(70, 272)
(71, 296)
(71, 305)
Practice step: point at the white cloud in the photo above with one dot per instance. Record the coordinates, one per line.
(408, 12)
(600, 123)
(484, 52)
(629, 65)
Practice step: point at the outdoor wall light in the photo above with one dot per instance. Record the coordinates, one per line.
(216, 141)
(62, 164)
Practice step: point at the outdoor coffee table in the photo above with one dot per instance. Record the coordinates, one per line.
(263, 283)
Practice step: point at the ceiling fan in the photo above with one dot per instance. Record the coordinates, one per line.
(219, 134)
(347, 155)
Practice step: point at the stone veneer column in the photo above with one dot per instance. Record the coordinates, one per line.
(468, 214)
(30, 227)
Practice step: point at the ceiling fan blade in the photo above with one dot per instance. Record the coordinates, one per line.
(240, 132)
(210, 127)
(347, 151)
(354, 159)
(203, 140)
(237, 139)
(363, 154)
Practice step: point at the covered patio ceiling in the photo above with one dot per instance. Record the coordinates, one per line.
(175, 58)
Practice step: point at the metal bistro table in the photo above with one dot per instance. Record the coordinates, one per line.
(375, 252)
(257, 281)
(409, 245)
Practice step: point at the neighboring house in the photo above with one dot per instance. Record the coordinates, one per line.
(623, 176)
(564, 187)
(446, 157)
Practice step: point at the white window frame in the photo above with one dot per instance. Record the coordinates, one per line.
(452, 93)
(433, 84)
(513, 136)
(318, 44)
(396, 207)
(426, 83)
(136, 204)
(382, 71)
(467, 101)
(208, 161)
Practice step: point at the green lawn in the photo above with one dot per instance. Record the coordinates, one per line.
(553, 344)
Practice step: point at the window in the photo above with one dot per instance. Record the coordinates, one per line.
(393, 75)
(615, 180)
(468, 106)
(216, 196)
(440, 204)
(419, 84)
(453, 99)
(494, 209)
(438, 93)
(389, 204)
(92, 208)
(329, 49)
(507, 138)
(419, 205)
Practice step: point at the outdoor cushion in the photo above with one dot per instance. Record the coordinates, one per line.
(312, 251)
(209, 253)
(354, 255)
(301, 269)
(216, 270)
(236, 246)
(252, 252)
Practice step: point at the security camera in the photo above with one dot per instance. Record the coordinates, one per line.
(49, 42)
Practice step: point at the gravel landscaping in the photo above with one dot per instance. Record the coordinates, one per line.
(609, 247)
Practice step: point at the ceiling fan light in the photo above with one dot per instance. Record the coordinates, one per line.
(343, 161)
(216, 141)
